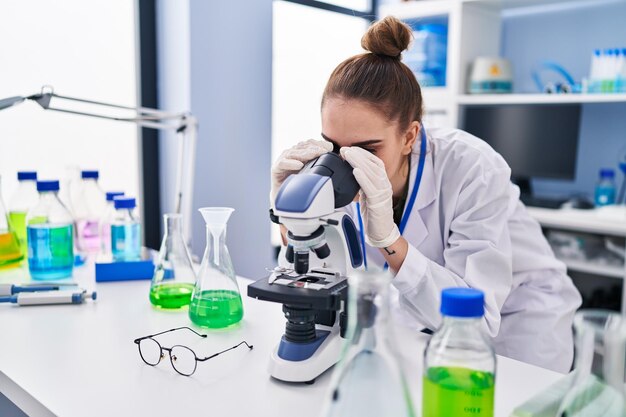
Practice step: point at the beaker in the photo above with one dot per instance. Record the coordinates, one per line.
(216, 302)
(369, 381)
(174, 278)
(598, 385)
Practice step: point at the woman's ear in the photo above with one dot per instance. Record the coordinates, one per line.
(410, 137)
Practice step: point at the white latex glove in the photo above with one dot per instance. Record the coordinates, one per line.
(375, 197)
(293, 159)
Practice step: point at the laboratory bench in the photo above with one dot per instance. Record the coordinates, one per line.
(80, 360)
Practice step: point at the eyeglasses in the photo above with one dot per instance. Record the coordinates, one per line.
(183, 360)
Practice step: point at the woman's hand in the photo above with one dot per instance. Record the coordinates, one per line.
(293, 159)
(375, 197)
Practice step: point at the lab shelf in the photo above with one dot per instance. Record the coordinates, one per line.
(475, 29)
(488, 99)
(594, 268)
(606, 221)
(505, 5)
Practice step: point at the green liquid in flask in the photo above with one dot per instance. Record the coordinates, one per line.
(457, 392)
(18, 224)
(171, 295)
(216, 308)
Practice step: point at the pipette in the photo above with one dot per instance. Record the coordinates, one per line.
(49, 297)
(10, 289)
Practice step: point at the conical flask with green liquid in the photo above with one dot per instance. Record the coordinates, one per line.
(216, 301)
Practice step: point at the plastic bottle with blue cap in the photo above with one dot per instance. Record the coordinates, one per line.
(125, 230)
(605, 188)
(50, 234)
(105, 221)
(88, 210)
(459, 360)
(24, 199)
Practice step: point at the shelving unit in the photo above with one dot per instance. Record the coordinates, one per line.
(474, 29)
(607, 221)
(487, 99)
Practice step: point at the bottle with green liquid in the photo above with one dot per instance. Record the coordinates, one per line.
(174, 277)
(459, 361)
(216, 301)
(24, 199)
(10, 252)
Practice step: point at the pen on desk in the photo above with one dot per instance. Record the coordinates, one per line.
(48, 297)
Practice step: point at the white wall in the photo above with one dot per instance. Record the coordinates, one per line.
(84, 49)
(174, 81)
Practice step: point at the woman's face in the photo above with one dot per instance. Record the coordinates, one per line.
(355, 123)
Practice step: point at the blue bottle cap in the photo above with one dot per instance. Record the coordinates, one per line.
(26, 175)
(112, 194)
(89, 174)
(462, 302)
(48, 185)
(124, 202)
(607, 173)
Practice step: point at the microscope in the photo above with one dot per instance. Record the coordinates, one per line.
(310, 281)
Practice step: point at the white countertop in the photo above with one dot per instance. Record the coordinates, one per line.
(80, 360)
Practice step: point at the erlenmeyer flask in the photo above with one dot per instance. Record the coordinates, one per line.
(174, 278)
(597, 387)
(216, 301)
(10, 252)
(369, 381)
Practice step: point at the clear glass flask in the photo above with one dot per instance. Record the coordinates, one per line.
(174, 277)
(24, 199)
(50, 231)
(459, 360)
(216, 301)
(10, 251)
(368, 380)
(597, 388)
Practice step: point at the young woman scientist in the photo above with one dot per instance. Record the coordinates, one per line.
(438, 206)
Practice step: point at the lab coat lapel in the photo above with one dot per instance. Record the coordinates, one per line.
(416, 231)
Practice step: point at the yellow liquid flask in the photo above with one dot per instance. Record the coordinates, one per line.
(216, 301)
(459, 361)
(368, 380)
(174, 277)
(10, 252)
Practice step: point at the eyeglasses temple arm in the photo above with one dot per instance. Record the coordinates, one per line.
(226, 350)
(167, 331)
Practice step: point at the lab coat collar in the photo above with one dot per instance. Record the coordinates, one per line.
(416, 230)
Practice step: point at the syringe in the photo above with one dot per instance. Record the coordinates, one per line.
(49, 297)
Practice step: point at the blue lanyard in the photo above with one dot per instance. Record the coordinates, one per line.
(409, 206)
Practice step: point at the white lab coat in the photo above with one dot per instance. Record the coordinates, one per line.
(468, 228)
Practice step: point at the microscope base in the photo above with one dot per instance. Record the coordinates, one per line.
(324, 357)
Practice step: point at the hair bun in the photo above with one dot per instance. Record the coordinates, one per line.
(387, 37)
